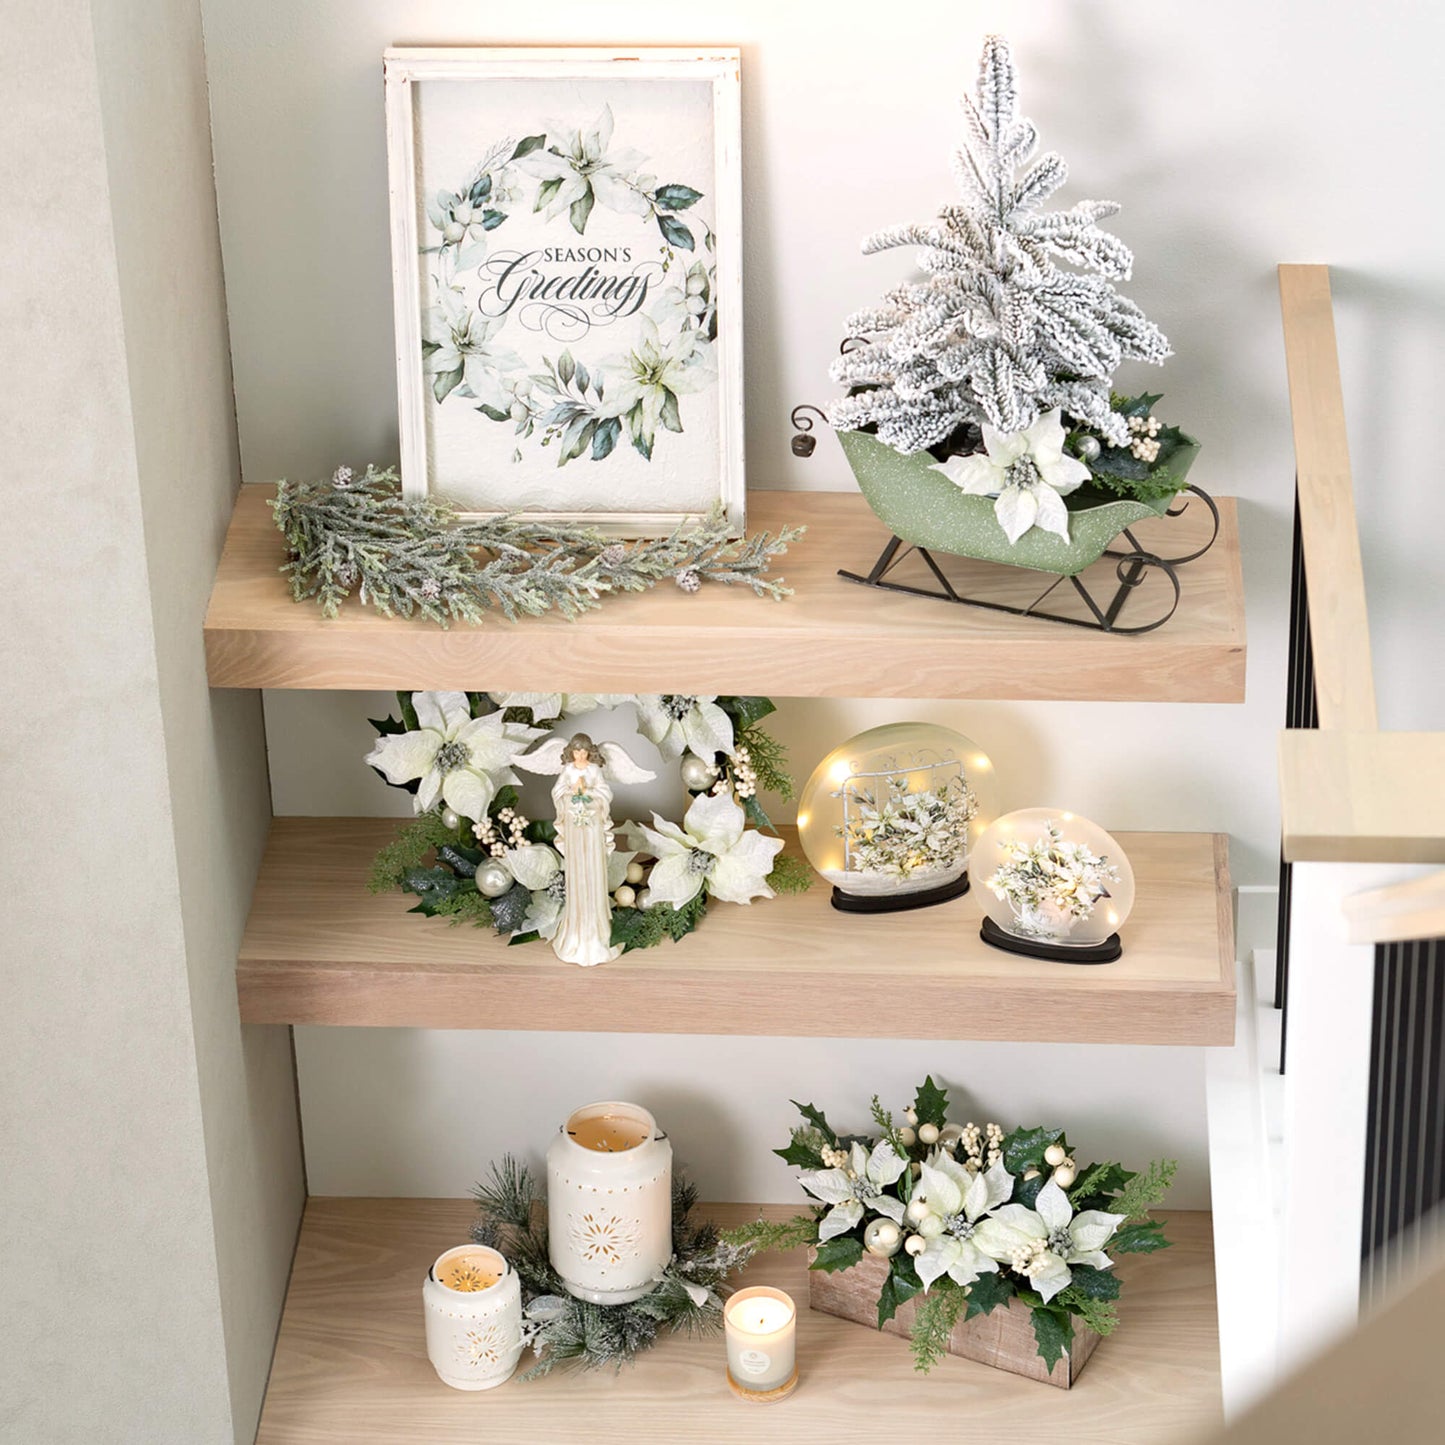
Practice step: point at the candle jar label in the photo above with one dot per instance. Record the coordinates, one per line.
(754, 1362)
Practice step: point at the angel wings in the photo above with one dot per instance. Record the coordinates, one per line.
(551, 757)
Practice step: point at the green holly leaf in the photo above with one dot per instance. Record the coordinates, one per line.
(1024, 1148)
(510, 909)
(1054, 1333)
(675, 197)
(745, 711)
(756, 813)
(1095, 1283)
(842, 1252)
(930, 1103)
(800, 1153)
(987, 1293)
(1026, 1191)
(1142, 1238)
(899, 1286)
(674, 232)
(817, 1119)
(462, 861)
(433, 887)
(1096, 1184)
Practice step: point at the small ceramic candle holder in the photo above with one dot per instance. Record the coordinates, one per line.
(760, 1324)
(473, 1305)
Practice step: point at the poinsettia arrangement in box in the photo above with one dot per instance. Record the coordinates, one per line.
(970, 1219)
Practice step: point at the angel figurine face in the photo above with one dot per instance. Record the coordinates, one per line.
(583, 795)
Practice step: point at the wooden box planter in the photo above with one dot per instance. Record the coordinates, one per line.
(1004, 1338)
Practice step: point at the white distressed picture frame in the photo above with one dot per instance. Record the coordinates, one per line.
(407, 68)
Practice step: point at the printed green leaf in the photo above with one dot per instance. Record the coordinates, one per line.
(1054, 1332)
(605, 438)
(545, 192)
(583, 377)
(491, 411)
(492, 219)
(841, 1253)
(481, 189)
(817, 1119)
(566, 367)
(674, 232)
(669, 416)
(675, 196)
(580, 209)
(527, 145)
(444, 382)
(930, 1103)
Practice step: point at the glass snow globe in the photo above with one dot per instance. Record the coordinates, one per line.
(1053, 885)
(888, 818)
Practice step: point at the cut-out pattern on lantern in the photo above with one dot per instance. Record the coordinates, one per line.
(473, 1304)
(888, 817)
(1053, 885)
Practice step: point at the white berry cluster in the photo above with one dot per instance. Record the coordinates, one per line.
(507, 830)
(744, 776)
(833, 1158)
(1026, 1258)
(1144, 434)
(982, 1145)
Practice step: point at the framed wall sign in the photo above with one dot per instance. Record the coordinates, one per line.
(566, 252)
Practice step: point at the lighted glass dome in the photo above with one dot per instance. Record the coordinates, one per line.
(1051, 882)
(889, 817)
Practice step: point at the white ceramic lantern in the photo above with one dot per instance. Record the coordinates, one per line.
(609, 1202)
(889, 817)
(1053, 885)
(473, 1304)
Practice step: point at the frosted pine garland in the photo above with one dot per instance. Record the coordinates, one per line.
(997, 331)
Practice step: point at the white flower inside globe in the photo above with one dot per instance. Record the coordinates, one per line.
(888, 818)
(1053, 885)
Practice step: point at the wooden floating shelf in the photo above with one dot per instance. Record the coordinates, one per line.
(830, 639)
(320, 949)
(351, 1366)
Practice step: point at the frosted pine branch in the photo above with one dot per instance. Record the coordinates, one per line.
(997, 331)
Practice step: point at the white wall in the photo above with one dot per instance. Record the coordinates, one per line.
(1236, 135)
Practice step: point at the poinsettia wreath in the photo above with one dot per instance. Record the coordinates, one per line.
(471, 855)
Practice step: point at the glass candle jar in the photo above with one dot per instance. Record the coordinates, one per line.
(760, 1326)
(609, 1202)
(473, 1304)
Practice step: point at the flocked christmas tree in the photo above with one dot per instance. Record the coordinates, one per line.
(997, 332)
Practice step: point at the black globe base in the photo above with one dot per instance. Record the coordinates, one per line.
(1105, 952)
(898, 902)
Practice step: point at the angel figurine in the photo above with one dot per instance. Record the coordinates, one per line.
(583, 796)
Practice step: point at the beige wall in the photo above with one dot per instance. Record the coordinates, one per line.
(150, 1167)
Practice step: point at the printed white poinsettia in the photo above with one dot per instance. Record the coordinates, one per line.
(557, 704)
(856, 1189)
(652, 376)
(961, 1200)
(678, 724)
(1044, 1241)
(457, 758)
(1027, 472)
(466, 352)
(715, 849)
(585, 171)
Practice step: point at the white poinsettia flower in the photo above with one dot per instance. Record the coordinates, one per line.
(558, 704)
(544, 912)
(961, 1200)
(1027, 471)
(655, 373)
(580, 162)
(715, 849)
(857, 1189)
(538, 867)
(678, 723)
(534, 865)
(465, 341)
(457, 758)
(1044, 1241)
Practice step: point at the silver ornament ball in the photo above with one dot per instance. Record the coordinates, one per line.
(1089, 448)
(883, 1238)
(697, 773)
(644, 898)
(494, 878)
(451, 819)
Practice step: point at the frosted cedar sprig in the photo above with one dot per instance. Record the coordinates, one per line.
(997, 332)
(358, 535)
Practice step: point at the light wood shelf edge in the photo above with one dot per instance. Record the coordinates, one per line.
(1339, 618)
(1398, 912)
(351, 1368)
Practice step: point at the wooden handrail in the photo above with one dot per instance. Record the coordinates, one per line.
(1398, 912)
(1339, 621)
